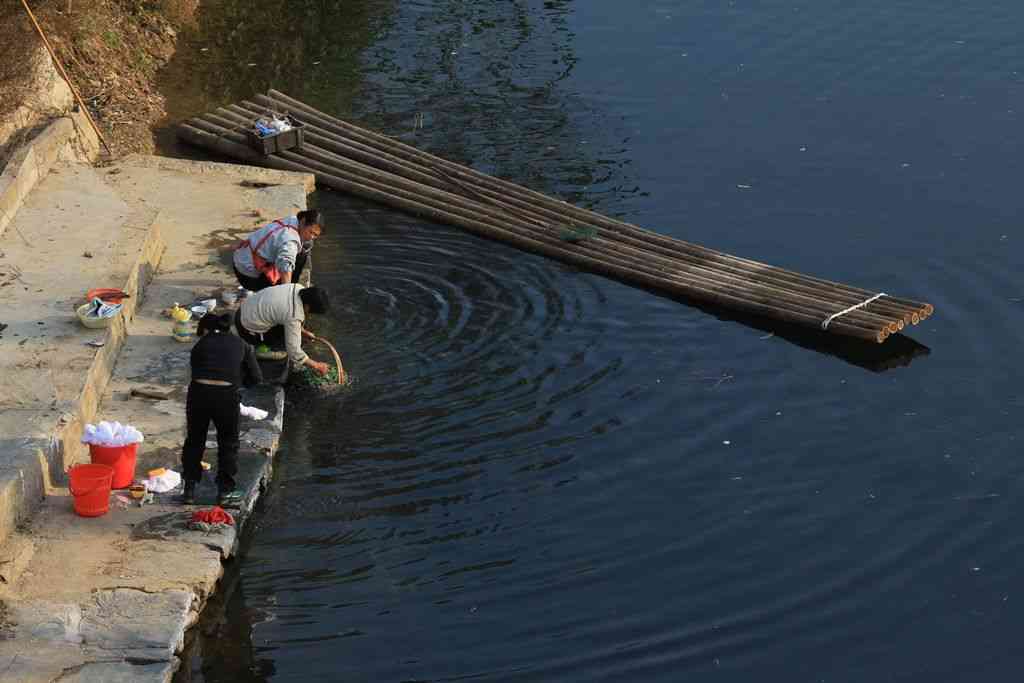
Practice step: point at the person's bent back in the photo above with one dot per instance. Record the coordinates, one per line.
(276, 252)
(274, 316)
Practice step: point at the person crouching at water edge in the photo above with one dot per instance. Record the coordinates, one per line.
(220, 363)
(274, 317)
(276, 253)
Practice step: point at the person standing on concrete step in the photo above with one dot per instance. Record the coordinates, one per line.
(220, 363)
(276, 252)
(274, 316)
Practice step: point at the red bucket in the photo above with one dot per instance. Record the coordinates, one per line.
(121, 458)
(90, 485)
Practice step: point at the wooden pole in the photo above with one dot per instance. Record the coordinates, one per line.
(279, 100)
(218, 138)
(367, 164)
(343, 154)
(320, 124)
(225, 122)
(455, 206)
(64, 74)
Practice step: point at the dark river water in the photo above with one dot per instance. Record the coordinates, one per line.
(542, 475)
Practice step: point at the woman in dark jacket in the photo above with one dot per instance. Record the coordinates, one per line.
(220, 363)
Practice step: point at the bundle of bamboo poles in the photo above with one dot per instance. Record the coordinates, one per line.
(351, 159)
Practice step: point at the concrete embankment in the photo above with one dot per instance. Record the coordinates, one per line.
(110, 598)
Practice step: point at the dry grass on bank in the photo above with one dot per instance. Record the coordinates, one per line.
(18, 43)
(111, 49)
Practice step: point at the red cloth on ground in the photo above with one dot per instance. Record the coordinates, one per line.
(214, 515)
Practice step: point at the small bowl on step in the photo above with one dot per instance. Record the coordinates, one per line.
(91, 321)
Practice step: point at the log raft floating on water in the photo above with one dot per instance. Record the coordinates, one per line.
(351, 159)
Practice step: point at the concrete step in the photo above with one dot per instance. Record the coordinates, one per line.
(140, 575)
(72, 233)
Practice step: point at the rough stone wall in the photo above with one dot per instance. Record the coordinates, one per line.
(50, 97)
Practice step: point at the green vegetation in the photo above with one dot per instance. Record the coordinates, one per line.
(111, 39)
(577, 233)
(313, 378)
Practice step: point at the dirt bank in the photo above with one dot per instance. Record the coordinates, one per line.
(112, 50)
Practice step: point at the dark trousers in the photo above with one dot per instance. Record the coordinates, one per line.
(255, 284)
(219, 404)
(274, 337)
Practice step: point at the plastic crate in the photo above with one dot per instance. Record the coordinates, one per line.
(278, 142)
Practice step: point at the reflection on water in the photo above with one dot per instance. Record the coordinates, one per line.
(542, 475)
(898, 350)
(236, 48)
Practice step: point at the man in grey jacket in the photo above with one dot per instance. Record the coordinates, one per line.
(276, 253)
(274, 316)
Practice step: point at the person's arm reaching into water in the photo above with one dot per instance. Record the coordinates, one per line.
(317, 366)
(293, 343)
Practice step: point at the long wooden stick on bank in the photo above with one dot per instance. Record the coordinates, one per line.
(64, 74)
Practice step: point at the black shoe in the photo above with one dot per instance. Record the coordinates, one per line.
(188, 496)
(231, 498)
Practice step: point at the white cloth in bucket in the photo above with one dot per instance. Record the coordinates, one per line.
(111, 434)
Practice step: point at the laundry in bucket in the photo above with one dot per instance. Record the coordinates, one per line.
(111, 434)
(271, 126)
(100, 309)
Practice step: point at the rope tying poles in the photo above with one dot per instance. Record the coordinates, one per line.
(825, 323)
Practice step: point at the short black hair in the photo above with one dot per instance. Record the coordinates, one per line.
(311, 217)
(213, 323)
(316, 299)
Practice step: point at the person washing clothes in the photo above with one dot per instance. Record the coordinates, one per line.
(274, 316)
(220, 363)
(276, 253)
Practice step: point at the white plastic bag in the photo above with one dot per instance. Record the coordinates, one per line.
(253, 412)
(162, 483)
